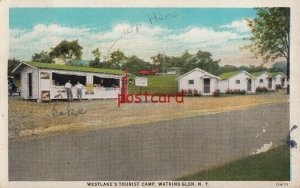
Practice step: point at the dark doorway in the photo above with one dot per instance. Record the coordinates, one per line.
(30, 84)
(282, 82)
(270, 83)
(206, 85)
(249, 83)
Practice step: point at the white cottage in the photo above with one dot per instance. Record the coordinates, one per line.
(264, 79)
(200, 80)
(43, 81)
(237, 80)
(279, 79)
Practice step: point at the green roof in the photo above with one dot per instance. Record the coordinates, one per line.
(227, 75)
(257, 74)
(273, 74)
(75, 68)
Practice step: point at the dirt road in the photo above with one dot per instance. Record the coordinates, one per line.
(28, 119)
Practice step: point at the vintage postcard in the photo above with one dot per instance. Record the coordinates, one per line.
(149, 94)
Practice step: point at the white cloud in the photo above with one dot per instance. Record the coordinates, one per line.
(239, 26)
(140, 39)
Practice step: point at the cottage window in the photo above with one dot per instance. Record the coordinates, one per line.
(191, 81)
(237, 81)
(105, 82)
(59, 79)
(261, 81)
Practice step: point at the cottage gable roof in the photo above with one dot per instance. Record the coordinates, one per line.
(228, 75)
(197, 69)
(69, 67)
(274, 74)
(257, 74)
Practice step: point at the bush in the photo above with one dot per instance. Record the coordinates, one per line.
(185, 92)
(262, 89)
(189, 92)
(181, 92)
(236, 91)
(195, 92)
(216, 93)
(278, 86)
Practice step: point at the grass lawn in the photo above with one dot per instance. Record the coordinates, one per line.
(273, 165)
(164, 84)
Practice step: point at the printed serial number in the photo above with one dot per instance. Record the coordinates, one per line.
(282, 184)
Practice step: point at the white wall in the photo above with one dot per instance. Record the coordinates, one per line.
(278, 78)
(24, 83)
(265, 83)
(183, 83)
(230, 83)
(59, 92)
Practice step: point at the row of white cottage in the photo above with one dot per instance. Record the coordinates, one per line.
(206, 83)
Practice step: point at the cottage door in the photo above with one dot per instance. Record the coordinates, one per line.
(206, 85)
(270, 83)
(249, 83)
(282, 82)
(30, 84)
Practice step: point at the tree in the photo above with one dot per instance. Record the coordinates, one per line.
(270, 37)
(135, 64)
(96, 62)
(42, 57)
(159, 61)
(97, 54)
(13, 63)
(205, 61)
(201, 59)
(279, 67)
(117, 59)
(66, 49)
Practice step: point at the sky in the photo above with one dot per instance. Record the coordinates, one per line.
(143, 32)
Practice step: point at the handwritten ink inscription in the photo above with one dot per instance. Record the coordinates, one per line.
(136, 27)
(153, 18)
(292, 143)
(67, 111)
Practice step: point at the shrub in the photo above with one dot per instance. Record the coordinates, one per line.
(195, 92)
(236, 91)
(181, 92)
(190, 92)
(185, 92)
(262, 89)
(216, 93)
(278, 86)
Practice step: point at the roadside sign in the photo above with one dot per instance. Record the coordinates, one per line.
(141, 81)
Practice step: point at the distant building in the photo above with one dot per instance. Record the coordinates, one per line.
(59, 61)
(173, 70)
(237, 80)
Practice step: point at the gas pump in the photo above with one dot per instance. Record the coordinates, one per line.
(124, 89)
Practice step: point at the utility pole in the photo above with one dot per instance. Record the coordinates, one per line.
(161, 58)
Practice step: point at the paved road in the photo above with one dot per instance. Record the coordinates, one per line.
(156, 151)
